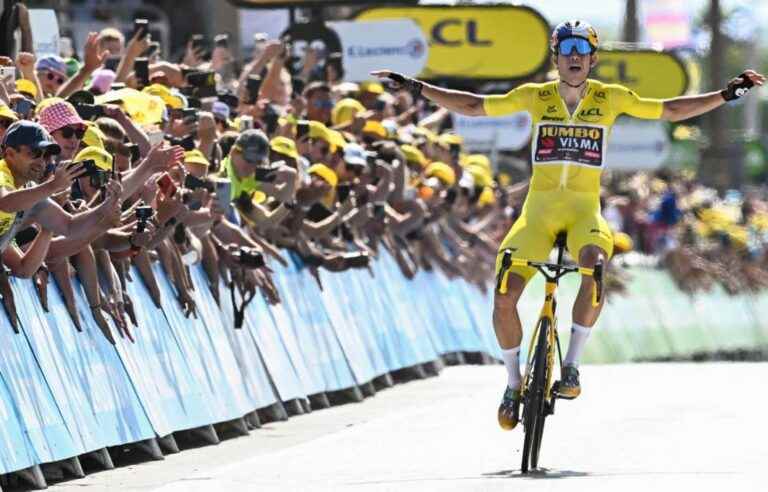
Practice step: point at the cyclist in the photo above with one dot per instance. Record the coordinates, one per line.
(572, 117)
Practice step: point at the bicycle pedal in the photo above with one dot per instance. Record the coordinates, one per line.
(556, 393)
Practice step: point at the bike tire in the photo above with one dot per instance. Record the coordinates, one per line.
(534, 401)
(542, 410)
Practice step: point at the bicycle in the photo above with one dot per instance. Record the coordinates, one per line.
(538, 393)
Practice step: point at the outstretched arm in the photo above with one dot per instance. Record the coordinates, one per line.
(684, 107)
(462, 102)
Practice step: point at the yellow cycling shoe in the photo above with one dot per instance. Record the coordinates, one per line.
(509, 410)
(568, 387)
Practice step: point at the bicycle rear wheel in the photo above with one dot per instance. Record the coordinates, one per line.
(533, 405)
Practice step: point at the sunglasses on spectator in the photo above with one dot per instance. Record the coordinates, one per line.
(323, 104)
(72, 131)
(53, 77)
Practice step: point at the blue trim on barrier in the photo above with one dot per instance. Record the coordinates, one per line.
(84, 372)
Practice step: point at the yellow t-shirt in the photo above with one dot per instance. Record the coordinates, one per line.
(568, 150)
(6, 181)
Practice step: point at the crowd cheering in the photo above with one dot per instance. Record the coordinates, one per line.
(124, 159)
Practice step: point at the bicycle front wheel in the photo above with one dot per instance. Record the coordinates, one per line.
(533, 405)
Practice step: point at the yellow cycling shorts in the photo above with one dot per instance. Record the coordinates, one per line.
(544, 215)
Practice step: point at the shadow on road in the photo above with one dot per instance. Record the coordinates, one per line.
(540, 473)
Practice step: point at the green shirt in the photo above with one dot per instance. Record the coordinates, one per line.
(247, 185)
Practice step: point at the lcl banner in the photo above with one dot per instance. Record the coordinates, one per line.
(397, 45)
(478, 42)
(655, 74)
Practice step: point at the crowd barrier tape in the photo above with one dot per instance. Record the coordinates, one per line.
(64, 393)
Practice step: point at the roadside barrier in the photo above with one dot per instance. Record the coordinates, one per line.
(65, 393)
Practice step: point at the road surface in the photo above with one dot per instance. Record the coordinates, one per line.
(644, 427)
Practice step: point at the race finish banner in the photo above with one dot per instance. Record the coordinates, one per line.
(397, 45)
(654, 74)
(488, 42)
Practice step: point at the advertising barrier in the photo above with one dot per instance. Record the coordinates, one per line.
(476, 42)
(64, 393)
(396, 44)
(654, 74)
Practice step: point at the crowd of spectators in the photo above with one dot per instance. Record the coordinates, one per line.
(122, 158)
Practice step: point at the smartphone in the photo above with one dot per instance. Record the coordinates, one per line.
(134, 151)
(141, 27)
(379, 105)
(253, 86)
(250, 258)
(187, 143)
(7, 72)
(194, 183)
(166, 185)
(141, 68)
(143, 214)
(155, 137)
(203, 82)
(198, 42)
(223, 192)
(357, 260)
(302, 129)
(298, 86)
(270, 118)
(221, 41)
(111, 63)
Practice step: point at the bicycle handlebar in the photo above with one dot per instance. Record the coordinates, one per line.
(556, 270)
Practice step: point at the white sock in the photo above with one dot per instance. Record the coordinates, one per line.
(579, 335)
(512, 363)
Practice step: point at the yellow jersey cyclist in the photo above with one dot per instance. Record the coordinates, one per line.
(572, 117)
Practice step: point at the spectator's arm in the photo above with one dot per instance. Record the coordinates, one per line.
(271, 50)
(51, 216)
(25, 27)
(25, 62)
(25, 264)
(93, 59)
(263, 218)
(134, 133)
(136, 46)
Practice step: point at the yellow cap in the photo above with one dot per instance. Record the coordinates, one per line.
(195, 156)
(26, 86)
(426, 133)
(318, 130)
(169, 98)
(481, 176)
(345, 110)
(6, 112)
(325, 172)
(622, 242)
(481, 160)
(372, 86)
(258, 197)
(447, 139)
(486, 197)
(101, 157)
(93, 137)
(284, 146)
(412, 154)
(441, 171)
(375, 128)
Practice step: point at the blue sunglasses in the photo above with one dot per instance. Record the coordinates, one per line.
(568, 45)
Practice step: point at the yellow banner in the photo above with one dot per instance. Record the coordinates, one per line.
(488, 42)
(653, 74)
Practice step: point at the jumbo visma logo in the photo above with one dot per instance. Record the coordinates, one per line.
(570, 143)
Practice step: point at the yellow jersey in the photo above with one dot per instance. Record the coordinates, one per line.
(568, 150)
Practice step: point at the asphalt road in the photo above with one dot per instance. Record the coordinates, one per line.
(656, 427)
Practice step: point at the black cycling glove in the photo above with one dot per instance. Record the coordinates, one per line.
(411, 85)
(737, 87)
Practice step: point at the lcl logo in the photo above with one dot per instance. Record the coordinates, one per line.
(456, 32)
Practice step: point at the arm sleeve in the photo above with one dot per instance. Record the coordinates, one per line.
(626, 101)
(518, 99)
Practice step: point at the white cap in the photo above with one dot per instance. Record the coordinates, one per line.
(356, 154)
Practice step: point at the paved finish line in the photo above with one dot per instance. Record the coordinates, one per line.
(636, 427)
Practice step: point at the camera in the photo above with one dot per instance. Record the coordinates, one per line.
(143, 214)
(194, 183)
(302, 129)
(250, 258)
(89, 111)
(267, 174)
(198, 42)
(187, 143)
(271, 118)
